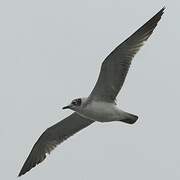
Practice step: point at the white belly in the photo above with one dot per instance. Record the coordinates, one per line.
(102, 111)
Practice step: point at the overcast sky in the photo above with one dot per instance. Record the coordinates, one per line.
(51, 52)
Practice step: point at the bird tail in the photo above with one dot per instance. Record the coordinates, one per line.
(129, 118)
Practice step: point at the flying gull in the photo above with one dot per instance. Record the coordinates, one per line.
(100, 105)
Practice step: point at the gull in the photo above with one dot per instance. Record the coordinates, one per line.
(100, 105)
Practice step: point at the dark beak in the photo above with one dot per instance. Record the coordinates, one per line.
(66, 107)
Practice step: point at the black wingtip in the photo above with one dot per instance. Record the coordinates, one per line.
(164, 7)
(21, 173)
(162, 10)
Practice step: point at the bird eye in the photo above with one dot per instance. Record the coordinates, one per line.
(74, 102)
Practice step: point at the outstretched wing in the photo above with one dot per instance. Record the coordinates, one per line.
(115, 67)
(53, 136)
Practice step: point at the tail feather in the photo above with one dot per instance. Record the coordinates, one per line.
(130, 118)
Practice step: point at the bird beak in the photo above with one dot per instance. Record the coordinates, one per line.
(66, 107)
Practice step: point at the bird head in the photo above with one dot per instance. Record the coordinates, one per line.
(75, 104)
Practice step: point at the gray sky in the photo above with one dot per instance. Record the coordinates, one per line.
(51, 52)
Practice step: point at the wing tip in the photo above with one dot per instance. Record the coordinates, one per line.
(22, 172)
(28, 165)
(26, 168)
(152, 23)
(159, 13)
(162, 10)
